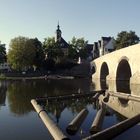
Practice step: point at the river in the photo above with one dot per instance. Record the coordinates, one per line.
(19, 121)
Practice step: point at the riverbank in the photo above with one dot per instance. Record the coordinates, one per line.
(45, 77)
(21, 78)
(79, 71)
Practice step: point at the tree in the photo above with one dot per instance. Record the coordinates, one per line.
(39, 53)
(125, 39)
(52, 49)
(77, 48)
(21, 53)
(2, 53)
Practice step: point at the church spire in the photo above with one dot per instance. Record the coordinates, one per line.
(58, 25)
(58, 33)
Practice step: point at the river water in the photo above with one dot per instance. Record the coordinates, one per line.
(19, 121)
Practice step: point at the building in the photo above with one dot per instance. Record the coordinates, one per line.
(61, 42)
(4, 67)
(90, 51)
(93, 51)
(106, 45)
(102, 47)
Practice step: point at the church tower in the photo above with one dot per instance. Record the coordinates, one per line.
(58, 33)
(60, 41)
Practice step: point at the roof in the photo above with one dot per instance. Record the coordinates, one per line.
(63, 43)
(106, 38)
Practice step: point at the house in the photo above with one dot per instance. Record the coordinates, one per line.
(102, 47)
(90, 51)
(95, 50)
(106, 45)
(5, 67)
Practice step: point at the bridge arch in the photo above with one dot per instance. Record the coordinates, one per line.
(123, 75)
(104, 71)
(123, 70)
(93, 68)
(123, 58)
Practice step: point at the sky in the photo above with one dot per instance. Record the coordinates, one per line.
(90, 19)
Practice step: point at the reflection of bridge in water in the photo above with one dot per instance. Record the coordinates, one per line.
(127, 108)
(123, 98)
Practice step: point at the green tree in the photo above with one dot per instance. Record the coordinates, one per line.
(21, 53)
(52, 49)
(49, 45)
(39, 53)
(77, 48)
(125, 39)
(2, 53)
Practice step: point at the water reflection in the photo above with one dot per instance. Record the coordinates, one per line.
(3, 89)
(19, 93)
(16, 96)
(123, 86)
(74, 106)
(135, 89)
(112, 85)
(128, 110)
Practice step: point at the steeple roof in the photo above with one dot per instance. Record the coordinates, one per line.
(58, 25)
(58, 28)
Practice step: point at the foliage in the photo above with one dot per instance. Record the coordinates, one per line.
(21, 53)
(39, 53)
(2, 76)
(77, 48)
(2, 53)
(125, 39)
(52, 49)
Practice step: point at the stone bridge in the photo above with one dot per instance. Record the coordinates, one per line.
(120, 65)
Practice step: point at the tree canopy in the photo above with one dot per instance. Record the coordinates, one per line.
(52, 49)
(77, 48)
(39, 53)
(24, 53)
(125, 39)
(2, 53)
